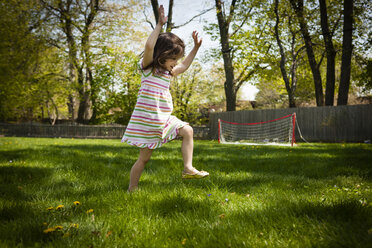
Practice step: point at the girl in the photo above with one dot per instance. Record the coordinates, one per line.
(151, 123)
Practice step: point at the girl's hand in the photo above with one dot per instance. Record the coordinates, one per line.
(162, 18)
(197, 42)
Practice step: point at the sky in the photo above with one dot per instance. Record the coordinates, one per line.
(183, 11)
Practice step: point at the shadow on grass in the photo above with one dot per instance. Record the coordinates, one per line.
(336, 224)
(101, 169)
(310, 162)
(17, 211)
(176, 205)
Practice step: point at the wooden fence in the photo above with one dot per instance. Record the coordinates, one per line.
(77, 131)
(351, 123)
(317, 124)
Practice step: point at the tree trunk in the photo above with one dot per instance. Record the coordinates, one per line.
(298, 7)
(229, 69)
(347, 48)
(283, 60)
(86, 84)
(83, 97)
(331, 54)
(155, 8)
(170, 14)
(71, 107)
(72, 53)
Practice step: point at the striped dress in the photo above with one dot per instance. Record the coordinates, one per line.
(151, 124)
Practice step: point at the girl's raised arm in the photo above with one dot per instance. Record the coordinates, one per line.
(151, 41)
(185, 64)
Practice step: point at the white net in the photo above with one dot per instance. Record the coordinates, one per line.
(273, 132)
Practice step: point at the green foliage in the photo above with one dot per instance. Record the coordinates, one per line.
(118, 80)
(72, 193)
(193, 90)
(31, 72)
(254, 42)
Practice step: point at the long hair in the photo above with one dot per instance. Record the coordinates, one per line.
(168, 46)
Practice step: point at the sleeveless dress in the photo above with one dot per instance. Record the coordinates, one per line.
(151, 124)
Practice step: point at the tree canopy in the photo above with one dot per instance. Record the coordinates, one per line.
(77, 59)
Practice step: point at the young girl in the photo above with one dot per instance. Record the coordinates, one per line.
(151, 124)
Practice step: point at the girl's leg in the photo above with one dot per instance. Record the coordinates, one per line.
(137, 168)
(187, 148)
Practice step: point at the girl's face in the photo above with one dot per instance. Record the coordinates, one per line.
(170, 64)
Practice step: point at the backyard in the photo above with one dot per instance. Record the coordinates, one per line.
(72, 193)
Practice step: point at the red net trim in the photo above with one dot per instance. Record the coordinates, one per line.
(257, 123)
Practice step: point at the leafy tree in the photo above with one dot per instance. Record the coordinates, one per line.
(330, 49)
(119, 83)
(194, 89)
(300, 10)
(86, 30)
(244, 48)
(31, 71)
(290, 79)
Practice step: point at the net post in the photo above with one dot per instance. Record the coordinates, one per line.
(219, 131)
(293, 128)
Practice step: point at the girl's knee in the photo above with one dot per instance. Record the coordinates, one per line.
(186, 131)
(145, 155)
(144, 160)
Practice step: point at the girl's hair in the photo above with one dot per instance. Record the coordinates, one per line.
(168, 46)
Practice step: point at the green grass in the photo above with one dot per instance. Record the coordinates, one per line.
(312, 195)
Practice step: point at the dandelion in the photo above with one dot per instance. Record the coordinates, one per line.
(49, 230)
(58, 227)
(74, 225)
(76, 203)
(50, 208)
(59, 207)
(89, 211)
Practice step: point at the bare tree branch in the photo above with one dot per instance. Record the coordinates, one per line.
(243, 22)
(200, 14)
(147, 20)
(231, 14)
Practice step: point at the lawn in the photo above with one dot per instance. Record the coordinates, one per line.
(72, 193)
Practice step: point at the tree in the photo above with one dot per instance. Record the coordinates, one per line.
(192, 90)
(298, 6)
(224, 24)
(85, 29)
(32, 74)
(76, 20)
(330, 51)
(347, 47)
(170, 25)
(244, 50)
(290, 80)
